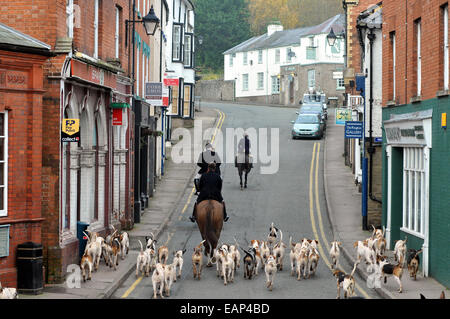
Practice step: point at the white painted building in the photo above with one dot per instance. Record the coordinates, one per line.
(255, 64)
(179, 57)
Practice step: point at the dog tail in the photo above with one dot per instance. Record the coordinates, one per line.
(281, 237)
(142, 249)
(237, 244)
(354, 268)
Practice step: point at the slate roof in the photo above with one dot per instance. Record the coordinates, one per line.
(372, 17)
(13, 37)
(289, 37)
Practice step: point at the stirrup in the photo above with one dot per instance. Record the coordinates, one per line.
(226, 218)
(192, 219)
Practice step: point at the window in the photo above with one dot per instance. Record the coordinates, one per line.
(231, 60)
(4, 240)
(176, 42)
(260, 81)
(137, 71)
(277, 56)
(96, 29)
(187, 100)
(245, 58)
(117, 33)
(419, 57)
(260, 56)
(175, 98)
(4, 164)
(144, 73)
(340, 84)
(414, 199)
(446, 52)
(188, 50)
(245, 82)
(311, 79)
(275, 85)
(70, 17)
(394, 65)
(310, 53)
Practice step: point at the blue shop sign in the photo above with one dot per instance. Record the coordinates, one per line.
(354, 129)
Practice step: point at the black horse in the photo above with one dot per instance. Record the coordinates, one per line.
(243, 166)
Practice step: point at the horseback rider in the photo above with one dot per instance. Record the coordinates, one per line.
(210, 186)
(244, 148)
(206, 157)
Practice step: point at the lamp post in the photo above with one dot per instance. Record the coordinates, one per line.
(150, 23)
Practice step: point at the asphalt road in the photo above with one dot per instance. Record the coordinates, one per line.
(292, 198)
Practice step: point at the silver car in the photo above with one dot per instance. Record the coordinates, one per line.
(308, 125)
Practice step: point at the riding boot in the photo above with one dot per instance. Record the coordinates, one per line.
(192, 218)
(225, 217)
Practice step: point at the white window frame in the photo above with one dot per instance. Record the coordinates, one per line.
(446, 50)
(275, 84)
(245, 58)
(4, 211)
(277, 56)
(414, 165)
(260, 56)
(340, 84)
(260, 81)
(96, 29)
(137, 72)
(394, 66)
(70, 18)
(187, 50)
(117, 33)
(419, 57)
(144, 73)
(143, 8)
(177, 43)
(245, 81)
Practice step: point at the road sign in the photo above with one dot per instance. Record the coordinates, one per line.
(353, 129)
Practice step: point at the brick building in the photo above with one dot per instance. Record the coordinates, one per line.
(21, 123)
(90, 78)
(416, 141)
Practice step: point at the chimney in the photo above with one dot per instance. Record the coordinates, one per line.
(273, 27)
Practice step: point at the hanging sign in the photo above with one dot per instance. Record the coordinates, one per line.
(70, 130)
(117, 117)
(154, 93)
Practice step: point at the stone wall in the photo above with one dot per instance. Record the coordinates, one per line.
(215, 90)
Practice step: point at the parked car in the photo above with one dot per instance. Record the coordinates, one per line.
(308, 125)
(313, 109)
(316, 98)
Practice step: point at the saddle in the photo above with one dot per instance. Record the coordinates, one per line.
(242, 158)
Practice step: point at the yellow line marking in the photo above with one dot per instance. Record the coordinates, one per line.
(132, 287)
(218, 127)
(311, 207)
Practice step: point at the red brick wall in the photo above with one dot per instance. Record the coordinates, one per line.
(23, 100)
(399, 17)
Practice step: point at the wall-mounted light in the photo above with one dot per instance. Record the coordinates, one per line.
(331, 38)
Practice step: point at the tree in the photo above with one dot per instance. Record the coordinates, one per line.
(222, 24)
(291, 13)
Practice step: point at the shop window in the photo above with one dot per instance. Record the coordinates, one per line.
(414, 199)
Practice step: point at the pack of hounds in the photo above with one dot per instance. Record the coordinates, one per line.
(265, 255)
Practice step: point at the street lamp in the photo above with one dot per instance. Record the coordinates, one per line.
(151, 22)
(331, 38)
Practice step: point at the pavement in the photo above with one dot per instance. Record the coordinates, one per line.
(344, 210)
(343, 206)
(162, 206)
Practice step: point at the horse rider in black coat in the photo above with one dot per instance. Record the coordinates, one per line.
(244, 148)
(210, 188)
(206, 157)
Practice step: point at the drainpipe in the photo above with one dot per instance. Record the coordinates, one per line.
(371, 150)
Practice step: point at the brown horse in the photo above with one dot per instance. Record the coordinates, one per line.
(210, 221)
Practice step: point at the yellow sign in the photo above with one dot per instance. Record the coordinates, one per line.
(444, 120)
(70, 130)
(71, 126)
